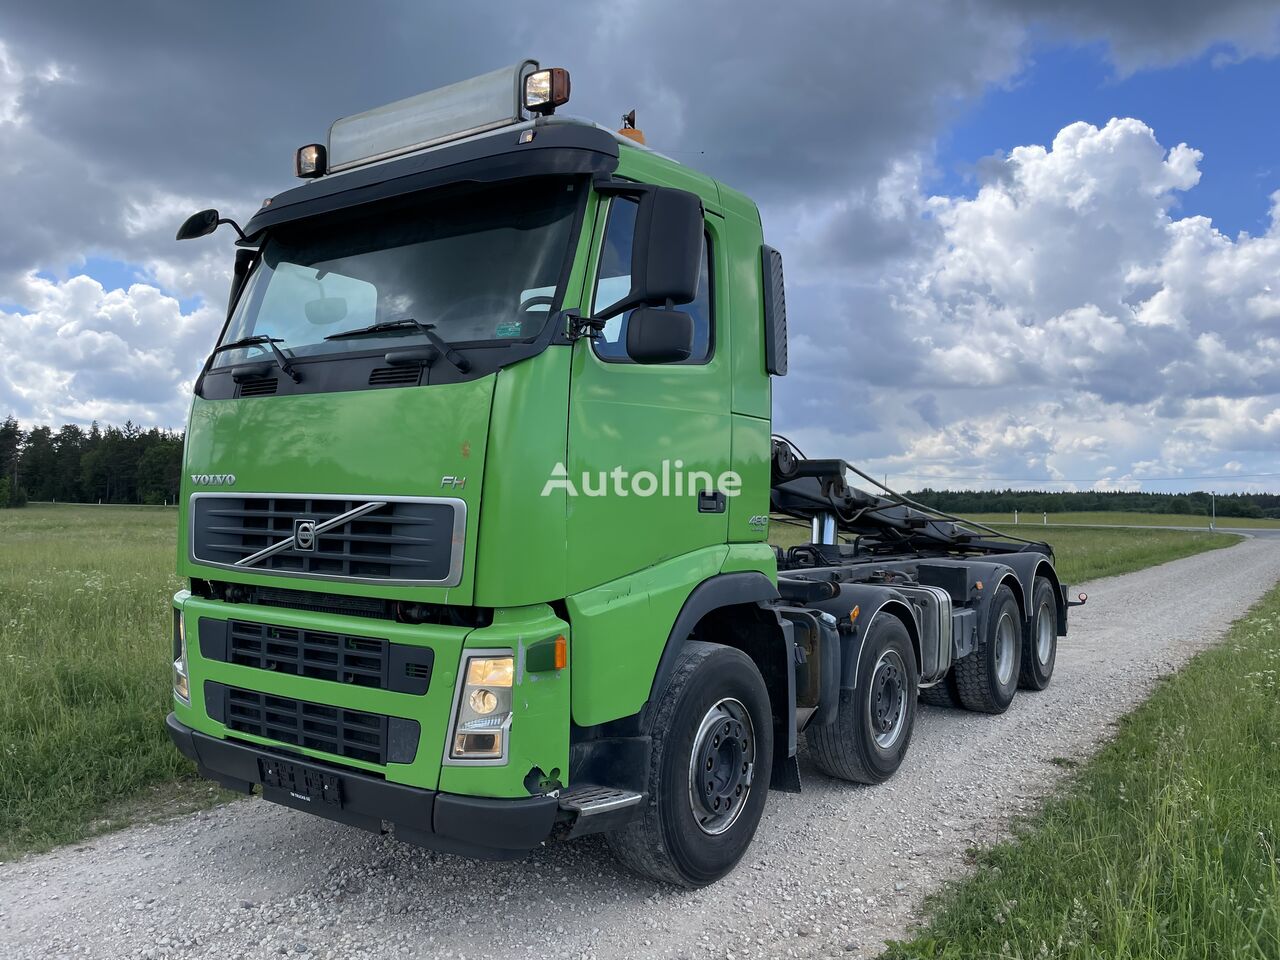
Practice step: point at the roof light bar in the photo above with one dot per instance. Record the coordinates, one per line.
(503, 97)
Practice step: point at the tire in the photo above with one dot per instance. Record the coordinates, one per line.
(987, 678)
(873, 725)
(1040, 638)
(681, 838)
(943, 693)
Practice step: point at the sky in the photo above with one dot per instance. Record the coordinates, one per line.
(1032, 243)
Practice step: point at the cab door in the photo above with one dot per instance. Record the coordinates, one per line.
(649, 444)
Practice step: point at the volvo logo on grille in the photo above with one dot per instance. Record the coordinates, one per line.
(304, 535)
(213, 479)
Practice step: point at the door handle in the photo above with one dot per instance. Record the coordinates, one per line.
(711, 501)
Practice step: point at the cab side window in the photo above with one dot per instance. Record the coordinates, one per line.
(613, 282)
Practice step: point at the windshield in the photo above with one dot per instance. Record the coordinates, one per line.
(479, 264)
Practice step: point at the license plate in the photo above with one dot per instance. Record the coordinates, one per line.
(300, 782)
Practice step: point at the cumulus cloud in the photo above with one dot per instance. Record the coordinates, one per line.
(84, 353)
(1065, 315)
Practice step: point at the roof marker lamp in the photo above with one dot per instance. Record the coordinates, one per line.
(309, 161)
(483, 712)
(544, 90)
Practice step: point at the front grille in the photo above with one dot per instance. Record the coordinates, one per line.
(354, 734)
(344, 733)
(361, 661)
(395, 540)
(318, 654)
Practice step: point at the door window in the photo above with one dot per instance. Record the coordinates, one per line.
(613, 282)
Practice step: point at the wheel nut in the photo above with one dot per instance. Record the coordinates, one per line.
(708, 763)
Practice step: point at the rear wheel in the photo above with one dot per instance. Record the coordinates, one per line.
(987, 678)
(1040, 638)
(873, 726)
(712, 733)
(943, 693)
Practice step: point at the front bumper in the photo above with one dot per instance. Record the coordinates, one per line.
(483, 827)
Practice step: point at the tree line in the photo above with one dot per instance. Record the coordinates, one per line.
(1252, 505)
(95, 465)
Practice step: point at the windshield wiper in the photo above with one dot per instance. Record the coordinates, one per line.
(459, 362)
(259, 340)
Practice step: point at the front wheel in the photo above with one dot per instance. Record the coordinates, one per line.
(712, 733)
(874, 722)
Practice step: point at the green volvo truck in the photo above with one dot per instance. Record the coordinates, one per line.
(475, 513)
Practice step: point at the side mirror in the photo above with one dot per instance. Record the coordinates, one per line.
(659, 336)
(198, 225)
(666, 249)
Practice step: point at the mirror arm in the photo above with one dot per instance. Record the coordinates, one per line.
(234, 225)
(580, 326)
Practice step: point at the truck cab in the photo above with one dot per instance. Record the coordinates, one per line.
(476, 499)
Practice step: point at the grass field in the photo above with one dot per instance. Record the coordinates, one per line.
(1121, 518)
(84, 684)
(1087, 553)
(1164, 846)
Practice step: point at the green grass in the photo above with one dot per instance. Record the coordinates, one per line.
(1122, 518)
(85, 645)
(1163, 847)
(1086, 553)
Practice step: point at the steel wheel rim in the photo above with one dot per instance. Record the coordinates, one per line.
(1045, 629)
(722, 766)
(887, 699)
(1005, 632)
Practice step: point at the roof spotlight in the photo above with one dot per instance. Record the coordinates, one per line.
(309, 161)
(544, 90)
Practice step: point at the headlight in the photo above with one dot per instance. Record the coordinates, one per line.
(483, 718)
(181, 685)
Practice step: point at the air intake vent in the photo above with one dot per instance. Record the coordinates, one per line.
(257, 387)
(395, 376)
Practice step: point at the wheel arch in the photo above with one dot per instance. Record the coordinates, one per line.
(1046, 569)
(728, 609)
(899, 609)
(722, 597)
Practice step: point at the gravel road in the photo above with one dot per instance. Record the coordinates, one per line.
(833, 871)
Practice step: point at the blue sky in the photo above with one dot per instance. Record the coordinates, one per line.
(1226, 111)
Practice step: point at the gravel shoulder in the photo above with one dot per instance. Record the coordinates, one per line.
(833, 871)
